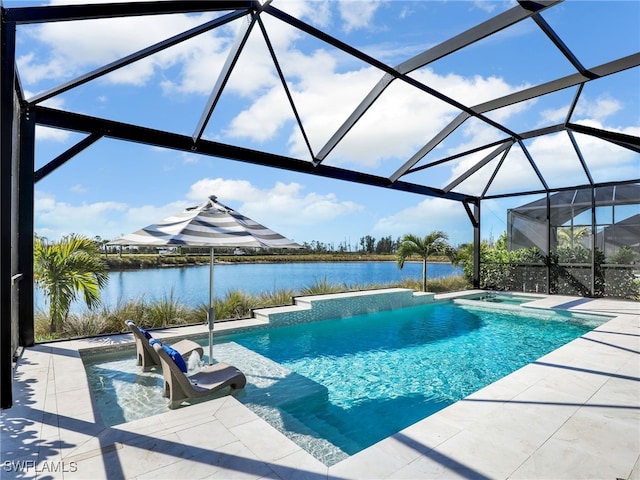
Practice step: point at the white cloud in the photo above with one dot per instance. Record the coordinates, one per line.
(261, 121)
(317, 12)
(53, 134)
(552, 116)
(32, 72)
(557, 160)
(285, 208)
(141, 216)
(225, 190)
(54, 218)
(200, 63)
(598, 109)
(357, 15)
(398, 124)
(108, 219)
(325, 94)
(281, 205)
(488, 7)
(68, 57)
(199, 60)
(606, 161)
(427, 216)
(189, 158)
(395, 127)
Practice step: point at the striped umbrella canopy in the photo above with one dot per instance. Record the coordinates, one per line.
(211, 224)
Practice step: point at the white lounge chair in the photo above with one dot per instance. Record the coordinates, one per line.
(147, 357)
(179, 387)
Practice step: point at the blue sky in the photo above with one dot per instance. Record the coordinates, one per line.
(113, 188)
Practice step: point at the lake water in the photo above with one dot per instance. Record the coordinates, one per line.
(190, 285)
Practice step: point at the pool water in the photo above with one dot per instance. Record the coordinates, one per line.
(506, 299)
(344, 384)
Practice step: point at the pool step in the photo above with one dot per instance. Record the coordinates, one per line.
(278, 395)
(268, 382)
(322, 307)
(264, 314)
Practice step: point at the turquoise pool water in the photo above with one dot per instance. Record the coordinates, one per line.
(507, 299)
(338, 386)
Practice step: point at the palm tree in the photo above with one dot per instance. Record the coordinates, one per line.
(571, 235)
(66, 268)
(433, 243)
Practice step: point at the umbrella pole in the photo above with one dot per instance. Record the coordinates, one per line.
(210, 313)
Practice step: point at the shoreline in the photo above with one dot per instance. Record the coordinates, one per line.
(116, 262)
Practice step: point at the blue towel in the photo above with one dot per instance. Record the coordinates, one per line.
(142, 330)
(173, 353)
(145, 333)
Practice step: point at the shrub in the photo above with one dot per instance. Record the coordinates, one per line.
(88, 324)
(41, 327)
(321, 287)
(447, 284)
(236, 304)
(166, 311)
(275, 298)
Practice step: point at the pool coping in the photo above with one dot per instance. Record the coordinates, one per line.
(574, 413)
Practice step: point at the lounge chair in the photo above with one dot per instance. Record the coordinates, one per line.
(147, 356)
(179, 387)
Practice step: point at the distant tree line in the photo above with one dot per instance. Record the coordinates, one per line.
(366, 244)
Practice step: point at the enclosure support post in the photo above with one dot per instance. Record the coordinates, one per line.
(7, 112)
(474, 217)
(476, 246)
(548, 256)
(25, 233)
(593, 242)
(211, 311)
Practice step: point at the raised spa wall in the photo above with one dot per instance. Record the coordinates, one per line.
(339, 305)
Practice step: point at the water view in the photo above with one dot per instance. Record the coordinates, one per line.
(190, 285)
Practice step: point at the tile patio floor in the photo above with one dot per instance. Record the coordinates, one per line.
(573, 414)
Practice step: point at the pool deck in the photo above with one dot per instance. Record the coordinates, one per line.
(573, 414)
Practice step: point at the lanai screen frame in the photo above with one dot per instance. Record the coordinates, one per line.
(19, 117)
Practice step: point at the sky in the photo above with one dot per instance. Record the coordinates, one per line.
(113, 188)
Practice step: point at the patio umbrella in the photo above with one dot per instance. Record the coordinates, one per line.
(211, 225)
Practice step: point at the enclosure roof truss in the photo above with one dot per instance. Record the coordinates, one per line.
(409, 174)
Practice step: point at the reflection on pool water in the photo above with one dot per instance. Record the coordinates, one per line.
(338, 386)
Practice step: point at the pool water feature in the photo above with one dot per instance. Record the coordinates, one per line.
(338, 386)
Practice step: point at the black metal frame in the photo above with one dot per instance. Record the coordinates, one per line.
(7, 67)
(19, 116)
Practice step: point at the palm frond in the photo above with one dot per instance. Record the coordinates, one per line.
(66, 269)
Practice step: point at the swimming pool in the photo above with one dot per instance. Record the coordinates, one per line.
(338, 386)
